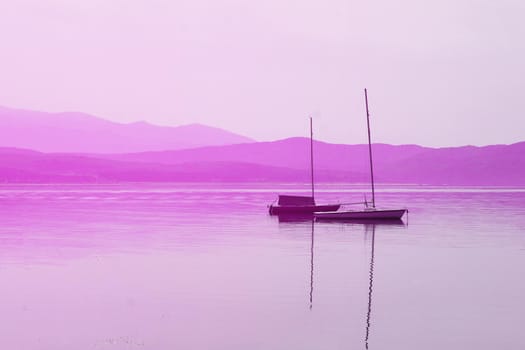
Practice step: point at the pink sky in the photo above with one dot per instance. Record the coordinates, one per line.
(439, 73)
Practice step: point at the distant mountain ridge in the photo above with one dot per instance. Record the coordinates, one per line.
(77, 147)
(291, 153)
(466, 165)
(84, 133)
(284, 160)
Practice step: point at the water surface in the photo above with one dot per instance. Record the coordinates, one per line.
(204, 267)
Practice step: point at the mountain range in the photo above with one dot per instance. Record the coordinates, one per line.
(283, 160)
(56, 148)
(80, 132)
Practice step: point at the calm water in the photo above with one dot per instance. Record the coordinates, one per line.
(203, 267)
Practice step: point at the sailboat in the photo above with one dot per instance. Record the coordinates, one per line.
(302, 205)
(369, 212)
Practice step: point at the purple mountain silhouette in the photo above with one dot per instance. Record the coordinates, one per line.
(284, 160)
(496, 165)
(468, 165)
(24, 166)
(79, 132)
(291, 153)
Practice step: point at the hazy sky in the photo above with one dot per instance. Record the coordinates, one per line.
(439, 73)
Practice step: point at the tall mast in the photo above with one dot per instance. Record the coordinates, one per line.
(370, 151)
(312, 156)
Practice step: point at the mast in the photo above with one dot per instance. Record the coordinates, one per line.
(312, 156)
(369, 151)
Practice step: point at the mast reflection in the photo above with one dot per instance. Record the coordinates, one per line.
(312, 266)
(370, 283)
(301, 219)
(370, 226)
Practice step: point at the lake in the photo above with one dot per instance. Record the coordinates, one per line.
(203, 266)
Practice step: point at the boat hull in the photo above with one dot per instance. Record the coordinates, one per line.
(301, 209)
(378, 214)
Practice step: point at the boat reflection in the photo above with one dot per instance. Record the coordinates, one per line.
(295, 218)
(367, 222)
(369, 231)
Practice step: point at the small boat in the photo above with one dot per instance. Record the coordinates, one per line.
(301, 205)
(369, 212)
